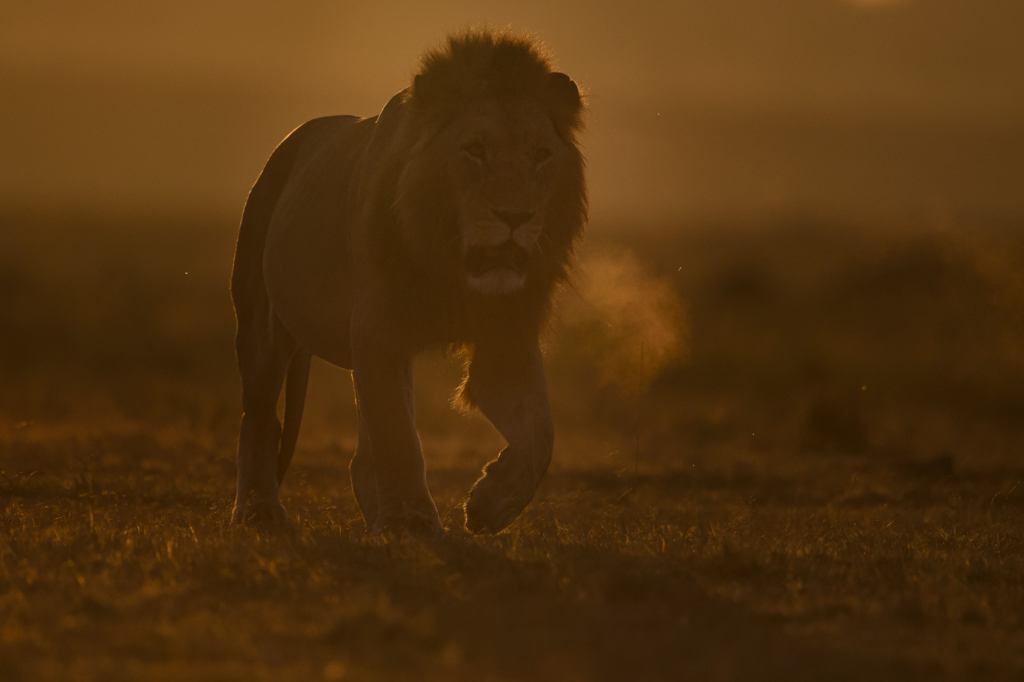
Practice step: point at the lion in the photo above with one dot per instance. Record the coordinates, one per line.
(447, 220)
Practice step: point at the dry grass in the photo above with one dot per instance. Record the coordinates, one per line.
(785, 523)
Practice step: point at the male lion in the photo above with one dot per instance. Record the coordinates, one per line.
(447, 219)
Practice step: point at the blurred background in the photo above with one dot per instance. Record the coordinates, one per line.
(854, 107)
(812, 209)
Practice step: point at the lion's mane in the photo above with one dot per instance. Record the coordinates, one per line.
(470, 67)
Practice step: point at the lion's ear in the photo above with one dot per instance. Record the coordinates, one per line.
(430, 91)
(424, 91)
(564, 89)
(566, 103)
(419, 86)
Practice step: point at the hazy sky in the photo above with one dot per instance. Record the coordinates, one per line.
(696, 107)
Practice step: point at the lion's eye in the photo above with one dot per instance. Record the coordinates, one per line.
(542, 155)
(476, 150)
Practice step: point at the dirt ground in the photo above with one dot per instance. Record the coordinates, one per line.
(815, 477)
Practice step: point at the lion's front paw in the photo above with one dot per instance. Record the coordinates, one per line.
(497, 499)
(261, 514)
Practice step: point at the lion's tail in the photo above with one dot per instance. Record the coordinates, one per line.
(294, 400)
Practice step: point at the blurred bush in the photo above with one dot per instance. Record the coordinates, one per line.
(783, 336)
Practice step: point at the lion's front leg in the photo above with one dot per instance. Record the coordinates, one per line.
(507, 383)
(383, 383)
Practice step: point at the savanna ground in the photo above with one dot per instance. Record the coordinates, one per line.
(827, 484)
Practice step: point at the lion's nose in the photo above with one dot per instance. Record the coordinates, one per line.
(513, 219)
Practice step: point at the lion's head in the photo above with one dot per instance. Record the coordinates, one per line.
(492, 180)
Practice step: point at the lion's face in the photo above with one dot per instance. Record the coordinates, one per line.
(502, 160)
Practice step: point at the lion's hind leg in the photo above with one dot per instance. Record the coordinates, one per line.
(509, 387)
(265, 350)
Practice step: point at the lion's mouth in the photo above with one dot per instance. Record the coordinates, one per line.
(510, 256)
